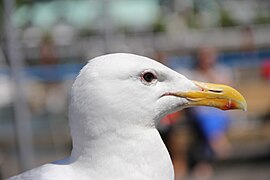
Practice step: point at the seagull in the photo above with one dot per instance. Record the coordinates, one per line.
(116, 102)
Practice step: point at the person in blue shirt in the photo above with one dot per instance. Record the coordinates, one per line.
(208, 125)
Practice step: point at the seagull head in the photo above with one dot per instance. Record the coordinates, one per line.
(125, 90)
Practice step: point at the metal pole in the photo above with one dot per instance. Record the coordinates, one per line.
(22, 116)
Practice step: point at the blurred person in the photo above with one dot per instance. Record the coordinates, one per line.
(248, 43)
(54, 95)
(47, 51)
(207, 67)
(208, 125)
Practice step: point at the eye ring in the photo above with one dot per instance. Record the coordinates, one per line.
(148, 77)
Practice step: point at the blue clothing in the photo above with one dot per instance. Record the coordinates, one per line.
(207, 124)
(212, 121)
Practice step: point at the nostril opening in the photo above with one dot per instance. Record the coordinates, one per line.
(216, 91)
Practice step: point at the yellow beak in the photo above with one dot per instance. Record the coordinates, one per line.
(215, 95)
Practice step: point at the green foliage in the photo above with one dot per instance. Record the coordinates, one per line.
(262, 19)
(226, 20)
(22, 2)
(159, 26)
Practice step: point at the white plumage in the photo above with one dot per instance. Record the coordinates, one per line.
(112, 115)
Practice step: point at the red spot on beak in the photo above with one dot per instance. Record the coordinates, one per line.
(229, 105)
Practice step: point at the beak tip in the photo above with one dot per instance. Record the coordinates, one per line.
(241, 105)
(245, 107)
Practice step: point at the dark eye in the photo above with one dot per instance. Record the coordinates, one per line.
(149, 77)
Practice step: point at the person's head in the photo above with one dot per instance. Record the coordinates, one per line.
(207, 56)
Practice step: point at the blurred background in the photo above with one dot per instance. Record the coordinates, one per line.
(44, 43)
